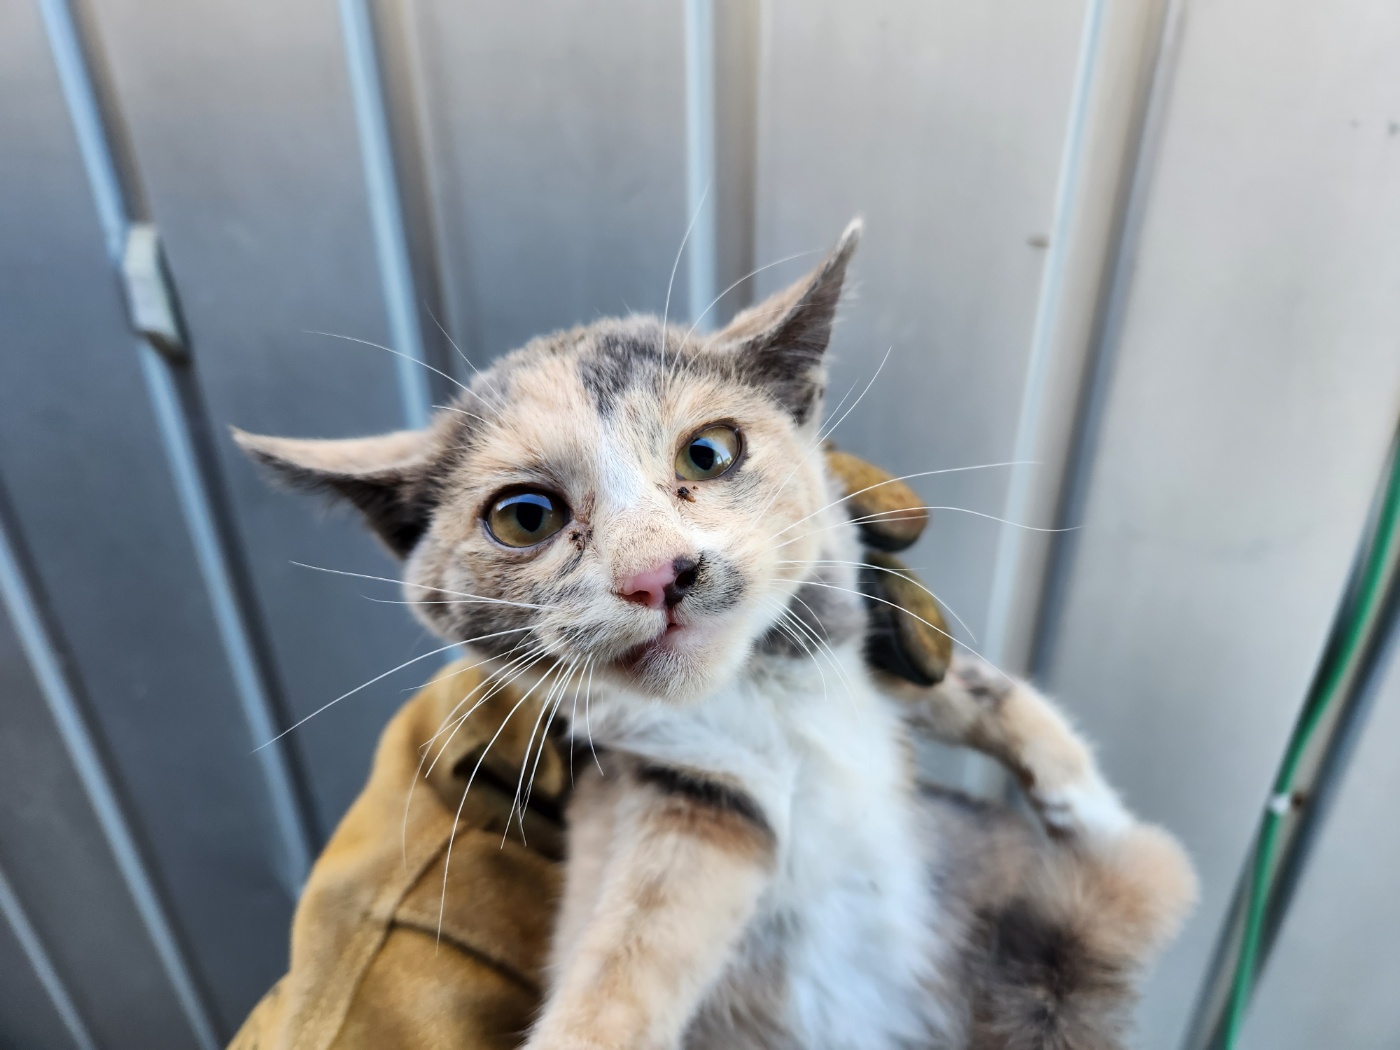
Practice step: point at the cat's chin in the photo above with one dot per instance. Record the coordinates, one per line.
(680, 664)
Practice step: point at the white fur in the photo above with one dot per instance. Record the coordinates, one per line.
(823, 758)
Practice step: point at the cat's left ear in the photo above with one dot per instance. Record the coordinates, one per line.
(389, 478)
(779, 343)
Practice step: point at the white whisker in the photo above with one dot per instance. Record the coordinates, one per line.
(501, 402)
(407, 357)
(752, 273)
(588, 722)
(893, 605)
(904, 477)
(556, 673)
(447, 858)
(378, 678)
(573, 715)
(544, 739)
(830, 429)
(821, 436)
(419, 586)
(887, 516)
(464, 412)
(428, 744)
(666, 310)
(497, 683)
(820, 641)
(880, 568)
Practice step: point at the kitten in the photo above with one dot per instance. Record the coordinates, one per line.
(754, 863)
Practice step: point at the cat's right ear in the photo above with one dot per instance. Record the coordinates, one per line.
(779, 344)
(388, 478)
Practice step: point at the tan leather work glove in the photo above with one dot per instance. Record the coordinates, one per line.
(908, 636)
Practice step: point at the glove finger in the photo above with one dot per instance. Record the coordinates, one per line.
(888, 512)
(908, 636)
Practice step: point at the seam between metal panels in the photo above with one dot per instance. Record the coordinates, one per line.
(1105, 342)
(386, 210)
(180, 419)
(1033, 392)
(700, 160)
(43, 655)
(44, 971)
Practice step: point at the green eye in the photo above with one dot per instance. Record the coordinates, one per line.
(523, 519)
(709, 453)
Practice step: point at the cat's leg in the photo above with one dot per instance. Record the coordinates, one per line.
(1056, 929)
(592, 820)
(685, 862)
(1141, 869)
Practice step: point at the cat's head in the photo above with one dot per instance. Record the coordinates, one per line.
(642, 501)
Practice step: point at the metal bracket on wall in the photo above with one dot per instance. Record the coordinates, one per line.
(150, 293)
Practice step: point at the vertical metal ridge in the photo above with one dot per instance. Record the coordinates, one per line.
(179, 416)
(1105, 340)
(41, 648)
(700, 160)
(183, 429)
(396, 275)
(1048, 302)
(736, 93)
(44, 970)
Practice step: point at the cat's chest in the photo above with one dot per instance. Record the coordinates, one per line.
(846, 919)
(820, 752)
(825, 759)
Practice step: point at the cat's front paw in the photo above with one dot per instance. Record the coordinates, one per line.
(978, 681)
(963, 708)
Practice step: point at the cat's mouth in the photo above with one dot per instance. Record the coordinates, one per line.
(667, 640)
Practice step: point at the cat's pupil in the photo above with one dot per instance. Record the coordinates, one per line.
(530, 516)
(703, 455)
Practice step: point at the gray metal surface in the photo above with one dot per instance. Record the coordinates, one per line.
(944, 130)
(1256, 388)
(24, 940)
(242, 119)
(1335, 969)
(559, 144)
(58, 864)
(79, 447)
(365, 167)
(164, 353)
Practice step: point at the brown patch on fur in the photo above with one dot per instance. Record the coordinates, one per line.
(1053, 931)
(644, 937)
(724, 819)
(1050, 936)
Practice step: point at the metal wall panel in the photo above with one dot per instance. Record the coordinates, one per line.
(31, 1021)
(942, 123)
(1256, 388)
(241, 118)
(1332, 978)
(53, 855)
(558, 141)
(93, 503)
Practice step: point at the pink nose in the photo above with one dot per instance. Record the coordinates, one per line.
(663, 586)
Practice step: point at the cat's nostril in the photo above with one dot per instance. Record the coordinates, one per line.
(686, 570)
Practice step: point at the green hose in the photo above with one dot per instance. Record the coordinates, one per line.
(1337, 665)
